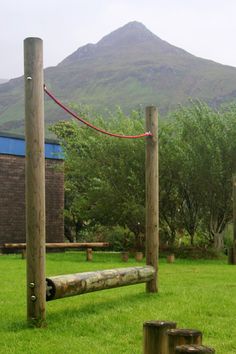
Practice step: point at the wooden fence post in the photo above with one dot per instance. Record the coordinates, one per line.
(232, 251)
(35, 181)
(155, 337)
(152, 196)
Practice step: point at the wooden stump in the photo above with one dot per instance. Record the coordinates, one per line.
(125, 256)
(170, 258)
(23, 254)
(89, 254)
(178, 337)
(139, 256)
(155, 337)
(194, 349)
(232, 255)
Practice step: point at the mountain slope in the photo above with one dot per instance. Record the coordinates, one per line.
(2, 81)
(129, 67)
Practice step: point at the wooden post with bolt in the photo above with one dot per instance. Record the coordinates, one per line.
(155, 337)
(35, 181)
(152, 198)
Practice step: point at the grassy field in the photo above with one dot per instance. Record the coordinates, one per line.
(195, 294)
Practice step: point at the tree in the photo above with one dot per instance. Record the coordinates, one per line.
(170, 198)
(207, 141)
(104, 176)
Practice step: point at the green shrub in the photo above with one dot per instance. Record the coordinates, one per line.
(190, 252)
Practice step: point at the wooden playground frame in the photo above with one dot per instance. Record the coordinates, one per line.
(74, 284)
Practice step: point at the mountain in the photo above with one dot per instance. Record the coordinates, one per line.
(130, 67)
(2, 81)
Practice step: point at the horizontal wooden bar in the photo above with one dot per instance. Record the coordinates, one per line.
(80, 283)
(60, 245)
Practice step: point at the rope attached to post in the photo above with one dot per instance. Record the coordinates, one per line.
(73, 114)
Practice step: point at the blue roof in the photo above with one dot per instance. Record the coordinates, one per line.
(16, 146)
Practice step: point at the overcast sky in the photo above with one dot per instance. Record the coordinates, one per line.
(206, 28)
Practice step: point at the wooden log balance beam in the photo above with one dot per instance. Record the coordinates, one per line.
(81, 283)
(59, 245)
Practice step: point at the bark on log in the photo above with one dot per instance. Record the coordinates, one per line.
(155, 337)
(194, 349)
(80, 283)
(177, 337)
(60, 245)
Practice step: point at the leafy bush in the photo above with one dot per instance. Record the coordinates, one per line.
(189, 252)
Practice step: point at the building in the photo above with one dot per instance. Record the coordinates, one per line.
(12, 190)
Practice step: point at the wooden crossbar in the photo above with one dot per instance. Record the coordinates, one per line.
(59, 245)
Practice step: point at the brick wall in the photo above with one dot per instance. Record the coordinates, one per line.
(12, 200)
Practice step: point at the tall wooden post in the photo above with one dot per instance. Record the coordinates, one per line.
(152, 196)
(234, 221)
(35, 181)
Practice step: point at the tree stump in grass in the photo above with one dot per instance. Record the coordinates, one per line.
(177, 337)
(194, 349)
(170, 258)
(155, 337)
(232, 255)
(23, 254)
(139, 256)
(89, 254)
(125, 256)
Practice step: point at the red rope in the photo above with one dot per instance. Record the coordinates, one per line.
(59, 103)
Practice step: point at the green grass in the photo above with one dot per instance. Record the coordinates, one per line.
(196, 294)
